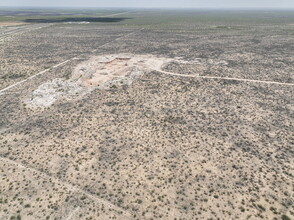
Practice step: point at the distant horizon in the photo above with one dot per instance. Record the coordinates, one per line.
(159, 8)
(153, 4)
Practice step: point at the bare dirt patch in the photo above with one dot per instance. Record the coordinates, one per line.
(11, 23)
(111, 71)
(103, 72)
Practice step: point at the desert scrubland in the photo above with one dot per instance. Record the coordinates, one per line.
(147, 115)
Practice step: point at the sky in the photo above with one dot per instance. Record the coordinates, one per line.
(153, 3)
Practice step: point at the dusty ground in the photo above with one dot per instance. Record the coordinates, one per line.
(155, 145)
(12, 23)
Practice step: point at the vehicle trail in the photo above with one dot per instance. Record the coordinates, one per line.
(26, 28)
(122, 13)
(225, 78)
(33, 76)
(124, 213)
(2, 91)
(23, 30)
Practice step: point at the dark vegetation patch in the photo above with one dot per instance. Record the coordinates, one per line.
(230, 82)
(111, 103)
(12, 76)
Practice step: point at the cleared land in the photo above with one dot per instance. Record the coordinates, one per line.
(147, 115)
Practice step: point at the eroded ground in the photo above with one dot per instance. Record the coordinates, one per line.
(153, 146)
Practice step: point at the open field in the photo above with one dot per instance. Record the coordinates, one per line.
(147, 114)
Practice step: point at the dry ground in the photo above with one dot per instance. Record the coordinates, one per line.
(161, 147)
(11, 23)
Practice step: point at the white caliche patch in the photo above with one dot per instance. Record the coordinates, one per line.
(102, 72)
(101, 69)
(46, 94)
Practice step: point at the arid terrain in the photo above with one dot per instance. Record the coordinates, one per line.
(147, 115)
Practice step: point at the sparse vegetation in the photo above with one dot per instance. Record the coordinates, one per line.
(164, 147)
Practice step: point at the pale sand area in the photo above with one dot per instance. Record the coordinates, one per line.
(12, 23)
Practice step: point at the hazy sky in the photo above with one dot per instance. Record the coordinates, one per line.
(154, 3)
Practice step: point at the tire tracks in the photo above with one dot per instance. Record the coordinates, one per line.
(22, 30)
(2, 91)
(225, 78)
(125, 214)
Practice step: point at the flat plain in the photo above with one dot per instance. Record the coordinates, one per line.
(146, 114)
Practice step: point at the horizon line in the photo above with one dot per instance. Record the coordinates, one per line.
(143, 7)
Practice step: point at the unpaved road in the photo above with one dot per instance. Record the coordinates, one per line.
(11, 30)
(225, 78)
(2, 91)
(69, 186)
(20, 29)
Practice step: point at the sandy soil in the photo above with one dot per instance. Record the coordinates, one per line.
(11, 23)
